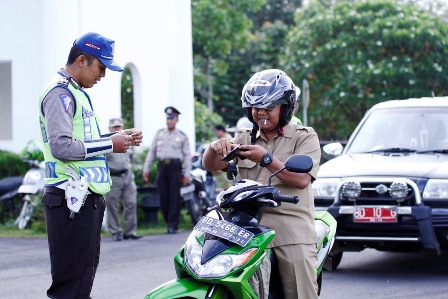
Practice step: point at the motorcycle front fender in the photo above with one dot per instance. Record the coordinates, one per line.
(182, 288)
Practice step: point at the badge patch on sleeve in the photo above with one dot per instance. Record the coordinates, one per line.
(65, 100)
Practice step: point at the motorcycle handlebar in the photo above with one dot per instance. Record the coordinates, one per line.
(287, 198)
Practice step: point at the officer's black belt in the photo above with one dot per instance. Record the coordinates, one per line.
(169, 161)
(58, 191)
(119, 172)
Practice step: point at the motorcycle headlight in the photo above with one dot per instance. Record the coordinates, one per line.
(32, 177)
(325, 187)
(436, 188)
(218, 266)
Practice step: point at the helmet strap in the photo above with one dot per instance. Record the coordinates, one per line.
(279, 127)
(253, 134)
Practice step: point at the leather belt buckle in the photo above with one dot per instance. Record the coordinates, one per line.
(167, 161)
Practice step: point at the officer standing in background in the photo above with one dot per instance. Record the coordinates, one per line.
(171, 147)
(123, 189)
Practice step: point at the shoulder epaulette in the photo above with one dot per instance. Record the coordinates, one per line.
(63, 81)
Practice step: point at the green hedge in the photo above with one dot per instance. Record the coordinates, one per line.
(11, 164)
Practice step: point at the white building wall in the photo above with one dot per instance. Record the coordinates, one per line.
(153, 38)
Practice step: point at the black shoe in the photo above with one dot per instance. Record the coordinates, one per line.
(172, 230)
(116, 237)
(131, 236)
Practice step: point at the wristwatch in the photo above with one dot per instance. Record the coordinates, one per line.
(266, 160)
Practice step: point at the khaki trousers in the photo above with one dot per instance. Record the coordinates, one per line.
(297, 266)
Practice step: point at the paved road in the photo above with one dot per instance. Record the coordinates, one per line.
(130, 269)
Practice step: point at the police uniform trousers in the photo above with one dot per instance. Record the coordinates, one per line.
(169, 173)
(74, 244)
(123, 188)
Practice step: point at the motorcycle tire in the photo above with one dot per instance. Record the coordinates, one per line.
(319, 283)
(335, 259)
(25, 214)
(194, 206)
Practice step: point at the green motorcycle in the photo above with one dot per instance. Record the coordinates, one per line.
(228, 245)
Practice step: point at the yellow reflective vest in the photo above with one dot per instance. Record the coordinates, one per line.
(85, 127)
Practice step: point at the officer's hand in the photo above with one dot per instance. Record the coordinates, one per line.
(145, 176)
(185, 180)
(136, 135)
(121, 142)
(252, 152)
(222, 146)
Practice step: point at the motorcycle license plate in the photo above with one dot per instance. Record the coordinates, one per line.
(187, 189)
(224, 229)
(375, 214)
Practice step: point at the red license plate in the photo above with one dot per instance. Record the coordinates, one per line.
(375, 214)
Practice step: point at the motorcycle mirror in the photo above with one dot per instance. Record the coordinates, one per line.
(299, 163)
(232, 171)
(295, 163)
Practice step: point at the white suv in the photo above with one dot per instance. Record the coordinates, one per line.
(388, 188)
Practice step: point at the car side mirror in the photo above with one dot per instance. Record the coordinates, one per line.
(333, 149)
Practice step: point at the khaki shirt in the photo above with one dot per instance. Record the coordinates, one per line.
(169, 145)
(293, 223)
(119, 161)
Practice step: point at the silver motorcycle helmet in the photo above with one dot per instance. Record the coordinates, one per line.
(269, 89)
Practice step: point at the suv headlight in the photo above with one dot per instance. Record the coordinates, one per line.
(218, 266)
(325, 187)
(436, 188)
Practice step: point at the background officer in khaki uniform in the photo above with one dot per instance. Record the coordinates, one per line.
(123, 189)
(269, 100)
(170, 146)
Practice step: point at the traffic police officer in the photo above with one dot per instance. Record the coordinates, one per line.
(74, 151)
(123, 188)
(171, 148)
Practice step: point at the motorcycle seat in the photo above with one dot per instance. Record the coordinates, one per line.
(8, 184)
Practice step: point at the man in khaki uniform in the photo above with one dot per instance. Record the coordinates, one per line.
(268, 98)
(171, 148)
(220, 132)
(123, 188)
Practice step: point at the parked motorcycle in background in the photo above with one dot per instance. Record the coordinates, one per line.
(200, 193)
(31, 190)
(20, 195)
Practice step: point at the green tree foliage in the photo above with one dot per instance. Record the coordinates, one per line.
(127, 98)
(218, 27)
(358, 53)
(271, 25)
(276, 10)
(205, 121)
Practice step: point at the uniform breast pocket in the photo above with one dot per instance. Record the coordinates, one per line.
(244, 166)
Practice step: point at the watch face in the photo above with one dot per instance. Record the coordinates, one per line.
(266, 160)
